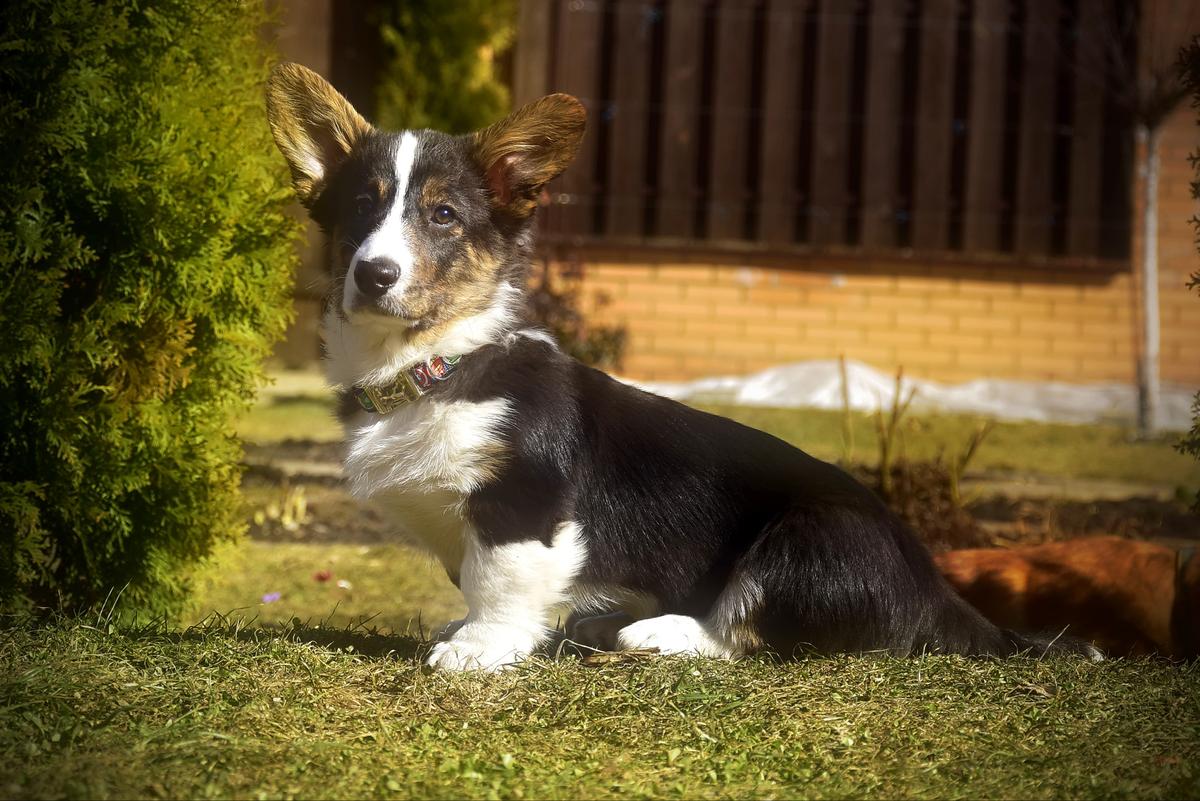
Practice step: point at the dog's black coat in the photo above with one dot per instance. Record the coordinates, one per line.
(675, 502)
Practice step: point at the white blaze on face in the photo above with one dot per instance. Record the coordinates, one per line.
(389, 240)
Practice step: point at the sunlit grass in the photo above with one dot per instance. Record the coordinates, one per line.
(225, 712)
(392, 588)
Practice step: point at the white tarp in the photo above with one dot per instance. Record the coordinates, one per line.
(818, 384)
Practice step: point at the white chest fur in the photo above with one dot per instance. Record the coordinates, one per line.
(422, 460)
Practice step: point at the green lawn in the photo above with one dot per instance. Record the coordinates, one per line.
(289, 685)
(389, 587)
(222, 712)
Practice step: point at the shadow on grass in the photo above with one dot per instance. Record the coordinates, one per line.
(357, 639)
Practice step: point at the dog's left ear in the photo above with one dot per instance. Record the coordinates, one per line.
(523, 151)
(314, 127)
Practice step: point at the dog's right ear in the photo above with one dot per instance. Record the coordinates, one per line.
(314, 127)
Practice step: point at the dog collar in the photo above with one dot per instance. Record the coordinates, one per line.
(411, 384)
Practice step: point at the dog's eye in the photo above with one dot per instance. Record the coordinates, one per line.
(444, 215)
(364, 204)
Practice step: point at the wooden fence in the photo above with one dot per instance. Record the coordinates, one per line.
(983, 126)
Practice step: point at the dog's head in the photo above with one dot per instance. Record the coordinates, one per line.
(426, 229)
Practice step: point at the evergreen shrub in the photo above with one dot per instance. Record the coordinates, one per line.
(439, 63)
(146, 262)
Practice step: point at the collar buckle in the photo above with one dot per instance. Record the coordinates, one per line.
(409, 386)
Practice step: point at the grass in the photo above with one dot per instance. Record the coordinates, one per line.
(218, 711)
(312, 695)
(1102, 451)
(389, 587)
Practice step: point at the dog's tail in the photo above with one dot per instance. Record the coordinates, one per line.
(964, 630)
(1043, 645)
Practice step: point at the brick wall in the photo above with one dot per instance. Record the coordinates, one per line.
(691, 314)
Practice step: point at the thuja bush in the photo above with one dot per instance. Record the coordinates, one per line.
(146, 260)
(1189, 64)
(439, 63)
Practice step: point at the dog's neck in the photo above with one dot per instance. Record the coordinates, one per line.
(359, 353)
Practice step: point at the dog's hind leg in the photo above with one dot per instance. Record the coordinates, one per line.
(676, 634)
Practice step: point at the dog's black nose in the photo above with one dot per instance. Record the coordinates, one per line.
(374, 278)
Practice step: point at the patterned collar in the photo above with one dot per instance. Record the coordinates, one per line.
(411, 384)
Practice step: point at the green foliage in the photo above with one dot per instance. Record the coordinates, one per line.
(146, 260)
(1189, 64)
(439, 63)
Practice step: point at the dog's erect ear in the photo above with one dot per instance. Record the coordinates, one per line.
(314, 126)
(523, 151)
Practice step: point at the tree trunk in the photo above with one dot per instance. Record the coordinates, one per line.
(1148, 364)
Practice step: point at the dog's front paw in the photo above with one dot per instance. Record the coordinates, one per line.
(476, 646)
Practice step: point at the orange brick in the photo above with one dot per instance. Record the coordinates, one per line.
(804, 313)
(1083, 347)
(824, 333)
(1041, 291)
(802, 349)
(916, 283)
(959, 340)
(740, 347)
(636, 364)
(708, 326)
(929, 321)
(872, 283)
(1049, 327)
(690, 274)
(654, 290)
(897, 337)
(1115, 329)
(871, 318)
(771, 330)
(682, 308)
(871, 354)
(1038, 365)
(715, 294)
(992, 324)
(994, 359)
(656, 324)
(775, 295)
(1021, 308)
(837, 297)
(708, 365)
(985, 289)
(625, 306)
(906, 303)
(957, 305)
(924, 357)
(800, 278)
(664, 343)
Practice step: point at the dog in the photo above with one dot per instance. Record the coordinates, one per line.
(538, 482)
(1127, 596)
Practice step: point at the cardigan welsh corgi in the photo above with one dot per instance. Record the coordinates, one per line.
(539, 482)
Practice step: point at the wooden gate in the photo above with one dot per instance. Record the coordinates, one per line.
(984, 126)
